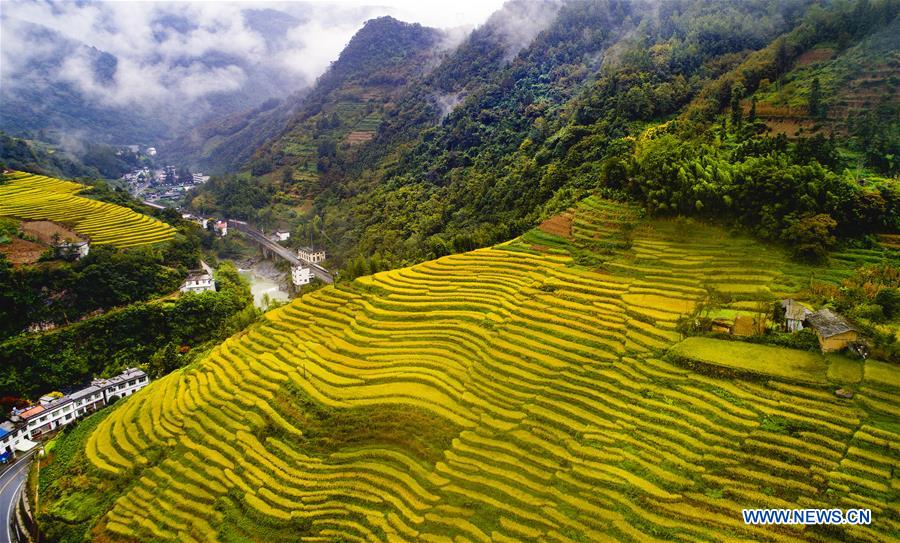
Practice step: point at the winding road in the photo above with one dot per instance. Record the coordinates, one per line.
(11, 482)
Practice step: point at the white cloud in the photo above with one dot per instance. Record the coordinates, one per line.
(159, 63)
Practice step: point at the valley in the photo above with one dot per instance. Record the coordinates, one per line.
(504, 271)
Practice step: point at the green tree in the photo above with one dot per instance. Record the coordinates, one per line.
(164, 361)
(812, 236)
(889, 300)
(737, 92)
(814, 106)
(782, 58)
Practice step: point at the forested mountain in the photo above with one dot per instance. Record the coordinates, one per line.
(342, 112)
(348, 101)
(632, 98)
(223, 145)
(89, 160)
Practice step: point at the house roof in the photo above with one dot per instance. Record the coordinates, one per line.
(828, 323)
(32, 411)
(198, 275)
(794, 310)
(84, 392)
(57, 403)
(129, 373)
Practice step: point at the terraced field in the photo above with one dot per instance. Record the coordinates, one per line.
(515, 393)
(29, 196)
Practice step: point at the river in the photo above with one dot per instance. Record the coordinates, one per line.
(261, 285)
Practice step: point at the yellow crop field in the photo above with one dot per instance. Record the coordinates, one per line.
(36, 197)
(505, 394)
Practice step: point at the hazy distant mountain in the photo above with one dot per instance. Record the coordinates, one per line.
(161, 72)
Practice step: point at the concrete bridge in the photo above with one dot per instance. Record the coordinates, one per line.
(283, 252)
(271, 247)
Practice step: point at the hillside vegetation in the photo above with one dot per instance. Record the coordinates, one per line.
(655, 102)
(517, 392)
(29, 196)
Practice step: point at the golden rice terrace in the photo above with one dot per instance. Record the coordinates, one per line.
(515, 393)
(30, 196)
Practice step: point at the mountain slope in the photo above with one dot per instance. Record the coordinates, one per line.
(347, 103)
(488, 142)
(224, 145)
(503, 394)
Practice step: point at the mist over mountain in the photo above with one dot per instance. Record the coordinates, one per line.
(127, 73)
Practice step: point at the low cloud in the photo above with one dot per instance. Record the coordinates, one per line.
(520, 21)
(154, 58)
(169, 52)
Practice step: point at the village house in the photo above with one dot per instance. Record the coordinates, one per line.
(221, 228)
(198, 281)
(125, 384)
(11, 441)
(300, 275)
(281, 235)
(795, 314)
(73, 249)
(311, 255)
(52, 412)
(833, 330)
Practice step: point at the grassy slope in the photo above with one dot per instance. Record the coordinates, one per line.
(509, 393)
(852, 80)
(788, 364)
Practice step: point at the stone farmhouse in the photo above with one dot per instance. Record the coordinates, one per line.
(833, 330)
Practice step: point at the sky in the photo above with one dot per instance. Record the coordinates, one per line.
(158, 59)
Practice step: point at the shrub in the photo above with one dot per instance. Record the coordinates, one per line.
(871, 312)
(889, 300)
(812, 236)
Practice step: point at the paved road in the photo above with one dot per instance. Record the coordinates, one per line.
(11, 482)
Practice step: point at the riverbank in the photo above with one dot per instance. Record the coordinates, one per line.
(265, 280)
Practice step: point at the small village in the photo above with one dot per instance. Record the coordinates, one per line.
(27, 425)
(166, 184)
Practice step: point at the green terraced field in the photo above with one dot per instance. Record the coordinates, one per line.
(36, 197)
(506, 394)
(789, 364)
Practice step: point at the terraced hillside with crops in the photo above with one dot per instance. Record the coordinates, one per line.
(30, 196)
(513, 393)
